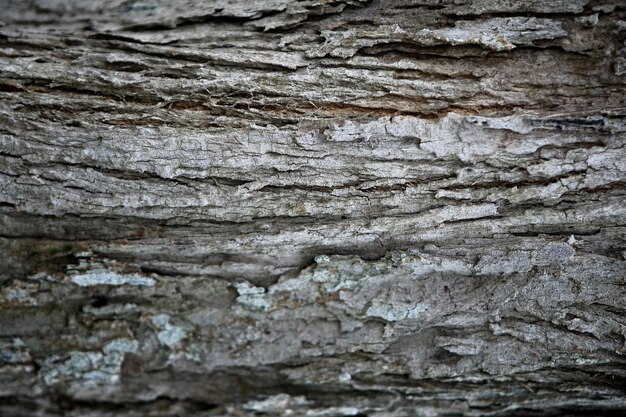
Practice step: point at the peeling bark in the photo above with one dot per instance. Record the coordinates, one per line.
(320, 208)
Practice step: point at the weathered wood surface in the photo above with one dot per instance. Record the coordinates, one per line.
(320, 208)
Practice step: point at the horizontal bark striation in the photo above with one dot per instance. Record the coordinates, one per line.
(312, 207)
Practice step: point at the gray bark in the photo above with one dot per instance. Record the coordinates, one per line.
(320, 208)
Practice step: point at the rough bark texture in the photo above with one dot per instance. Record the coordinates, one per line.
(320, 207)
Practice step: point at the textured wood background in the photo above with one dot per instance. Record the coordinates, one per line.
(312, 208)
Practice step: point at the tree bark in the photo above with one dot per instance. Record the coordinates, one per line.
(320, 208)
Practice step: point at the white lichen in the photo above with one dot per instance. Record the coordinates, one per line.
(345, 377)
(107, 277)
(251, 296)
(275, 403)
(168, 335)
(395, 311)
(88, 368)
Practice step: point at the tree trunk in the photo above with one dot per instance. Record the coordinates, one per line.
(319, 207)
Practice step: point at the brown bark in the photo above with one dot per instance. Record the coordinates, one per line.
(320, 208)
